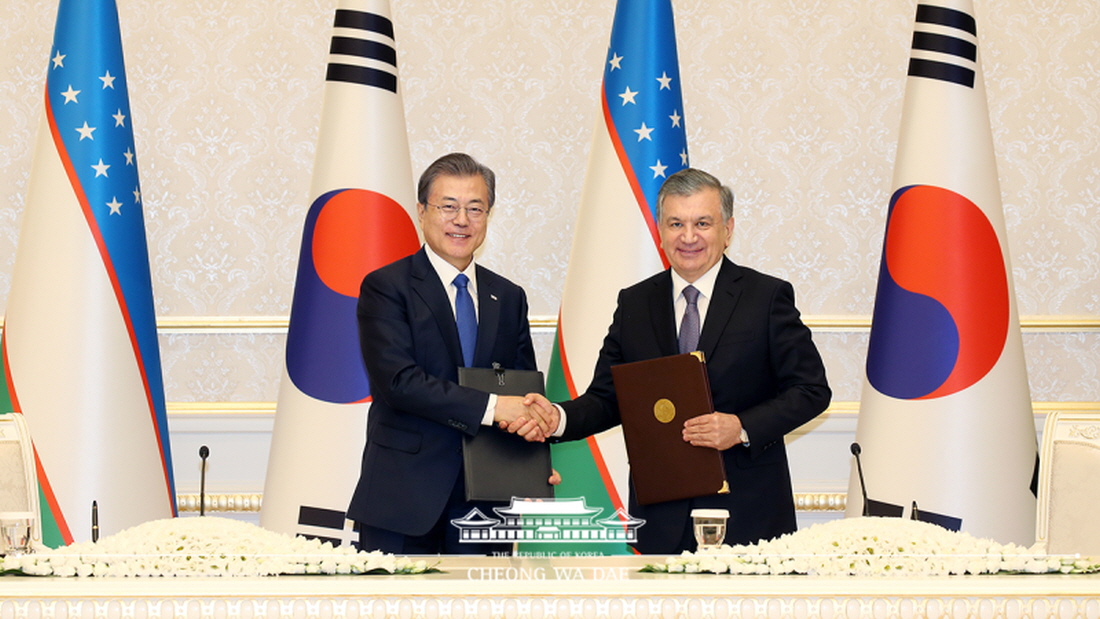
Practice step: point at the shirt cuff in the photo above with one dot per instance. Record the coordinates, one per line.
(561, 422)
(490, 410)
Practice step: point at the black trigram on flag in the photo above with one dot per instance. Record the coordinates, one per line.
(362, 50)
(336, 526)
(951, 37)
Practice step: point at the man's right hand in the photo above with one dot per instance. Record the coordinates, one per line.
(526, 417)
(530, 429)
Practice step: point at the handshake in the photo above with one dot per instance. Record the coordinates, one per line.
(532, 416)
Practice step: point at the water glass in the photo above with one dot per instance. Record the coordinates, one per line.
(710, 527)
(15, 532)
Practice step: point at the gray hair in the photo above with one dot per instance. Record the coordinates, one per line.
(690, 181)
(455, 164)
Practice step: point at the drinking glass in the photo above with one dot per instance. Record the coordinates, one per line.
(15, 532)
(710, 527)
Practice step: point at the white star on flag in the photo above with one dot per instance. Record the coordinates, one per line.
(100, 168)
(85, 131)
(665, 80)
(675, 118)
(70, 95)
(120, 119)
(643, 133)
(628, 96)
(58, 60)
(115, 206)
(108, 81)
(616, 62)
(658, 170)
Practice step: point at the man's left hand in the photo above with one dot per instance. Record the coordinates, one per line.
(718, 430)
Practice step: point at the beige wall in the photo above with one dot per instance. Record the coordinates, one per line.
(795, 104)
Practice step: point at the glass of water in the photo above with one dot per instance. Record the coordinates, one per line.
(710, 527)
(15, 532)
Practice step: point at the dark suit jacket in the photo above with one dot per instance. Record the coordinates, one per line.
(763, 366)
(419, 414)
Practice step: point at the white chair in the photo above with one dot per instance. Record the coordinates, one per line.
(18, 480)
(1069, 484)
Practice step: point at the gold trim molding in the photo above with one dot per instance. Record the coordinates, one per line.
(817, 322)
(220, 408)
(221, 502)
(242, 503)
(820, 501)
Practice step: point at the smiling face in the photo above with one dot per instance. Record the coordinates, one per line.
(693, 234)
(456, 239)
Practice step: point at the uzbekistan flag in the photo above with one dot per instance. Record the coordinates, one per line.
(80, 353)
(639, 140)
(360, 218)
(945, 423)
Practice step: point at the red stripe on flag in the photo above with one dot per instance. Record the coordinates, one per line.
(7, 377)
(51, 500)
(639, 195)
(566, 373)
(97, 236)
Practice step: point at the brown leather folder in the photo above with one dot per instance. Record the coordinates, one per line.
(655, 398)
(499, 465)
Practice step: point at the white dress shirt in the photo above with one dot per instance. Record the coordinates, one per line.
(447, 274)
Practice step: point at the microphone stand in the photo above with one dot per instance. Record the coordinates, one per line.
(204, 451)
(862, 486)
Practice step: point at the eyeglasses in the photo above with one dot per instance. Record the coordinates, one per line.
(450, 211)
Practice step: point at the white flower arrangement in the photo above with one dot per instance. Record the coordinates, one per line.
(206, 546)
(875, 547)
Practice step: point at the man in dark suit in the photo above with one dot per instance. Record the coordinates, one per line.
(765, 373)
(421, 318)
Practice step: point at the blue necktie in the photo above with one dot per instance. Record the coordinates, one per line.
(465, 318)
(689, 325)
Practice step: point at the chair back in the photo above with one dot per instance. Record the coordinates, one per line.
(18, 479)
(1069, 484)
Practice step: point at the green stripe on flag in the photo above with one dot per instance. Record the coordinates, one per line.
(51, 534)
(6, 404)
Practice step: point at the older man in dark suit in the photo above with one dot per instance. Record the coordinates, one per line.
(421, 318)
(765, 373)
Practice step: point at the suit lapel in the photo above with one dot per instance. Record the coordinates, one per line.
(426, 285)
(727, 290)
(664, 315)
(488, 317)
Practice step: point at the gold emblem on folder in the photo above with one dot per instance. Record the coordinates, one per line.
(664, 410)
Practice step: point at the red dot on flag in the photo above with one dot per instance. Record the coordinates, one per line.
(356, 232)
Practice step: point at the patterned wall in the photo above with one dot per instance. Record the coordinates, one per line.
(794, 103)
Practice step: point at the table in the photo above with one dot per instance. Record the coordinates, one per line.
(545, 588)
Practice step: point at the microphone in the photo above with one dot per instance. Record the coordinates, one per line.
(204, 451)
(95, 522)
(862, 486)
